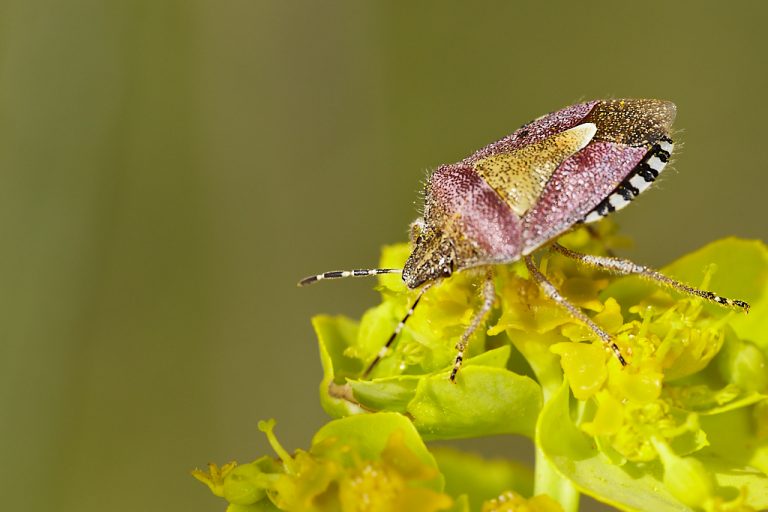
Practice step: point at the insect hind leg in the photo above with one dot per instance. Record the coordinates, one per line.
(555, 295)
(626, 267)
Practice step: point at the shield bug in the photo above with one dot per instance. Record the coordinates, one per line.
(518, 194)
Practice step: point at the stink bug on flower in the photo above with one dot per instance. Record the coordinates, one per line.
(519, 194)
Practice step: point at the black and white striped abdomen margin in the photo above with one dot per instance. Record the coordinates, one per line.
(638, 180)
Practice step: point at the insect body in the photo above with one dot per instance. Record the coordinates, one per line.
(520, 193)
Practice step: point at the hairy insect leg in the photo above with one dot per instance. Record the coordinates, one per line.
(489, 295)
(360, 272)
(555, 295)
(624, 267)
(393, 336)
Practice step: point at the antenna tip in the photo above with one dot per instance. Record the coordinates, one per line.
(306, 281)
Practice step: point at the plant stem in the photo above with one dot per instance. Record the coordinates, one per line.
(548, 481)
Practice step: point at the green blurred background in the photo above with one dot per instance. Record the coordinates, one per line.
(171, 168)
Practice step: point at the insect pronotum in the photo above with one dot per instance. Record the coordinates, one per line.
(514, 196)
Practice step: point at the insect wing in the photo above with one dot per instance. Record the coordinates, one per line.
(577, 187)
(520, 175)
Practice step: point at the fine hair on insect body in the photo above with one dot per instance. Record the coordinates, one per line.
(519, 194)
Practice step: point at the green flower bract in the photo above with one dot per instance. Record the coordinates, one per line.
(683, 427)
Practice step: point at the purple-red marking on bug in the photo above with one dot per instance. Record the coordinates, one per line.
(520, 193)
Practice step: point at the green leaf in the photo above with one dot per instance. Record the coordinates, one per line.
(368, 435)
(544, 363)
(732, 479)
(461, 504)
(740, 271)
(495, 358)
(470, 407)
(391, 394)
(376, 326)
(334, 335)
(483, 401)
(375, 458)
(732, 438)
(744, 365)
(685, 477)
(575, 456)
(645, 487)
(702, 399)
(395, 393)
(481, 479)
(393, 256)
(261, 506)
(690, 360)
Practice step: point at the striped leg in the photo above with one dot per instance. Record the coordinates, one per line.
(385, 348)
(489, 295)
(624, 267)
(338, 274)
(553, 294)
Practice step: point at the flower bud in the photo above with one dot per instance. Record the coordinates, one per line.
(245, 485)
(686, 478)
(744, 364)
(584, 365)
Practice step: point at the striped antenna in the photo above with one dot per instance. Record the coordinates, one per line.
(338, 274)
(385, 349)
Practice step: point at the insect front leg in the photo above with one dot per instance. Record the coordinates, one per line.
(489, 296)
(385, 349)
(625, 267)
(555, 295)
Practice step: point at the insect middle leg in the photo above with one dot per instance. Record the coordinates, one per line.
(625, 267)
(489, 296)
(555, 295)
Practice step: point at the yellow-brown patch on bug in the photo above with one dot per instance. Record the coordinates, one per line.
(520, 176)
(635, 122)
